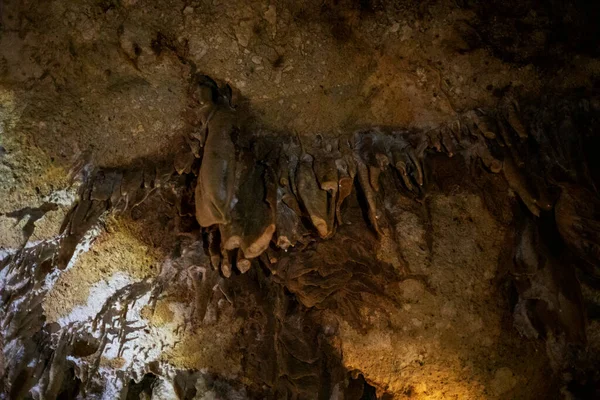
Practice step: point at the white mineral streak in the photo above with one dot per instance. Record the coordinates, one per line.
(62, 197)
(99, 293)
(33, 243)
(144, 343)
(13, 349)
(114, 386)
(36, 392)
(147, 342)
(164, 390)
(5, 253)
(85, 244)
(82, 247)
(3, 274)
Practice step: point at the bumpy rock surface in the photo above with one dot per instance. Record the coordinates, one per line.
(298, 200)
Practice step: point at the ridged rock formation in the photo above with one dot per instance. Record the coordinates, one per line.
(286, 245)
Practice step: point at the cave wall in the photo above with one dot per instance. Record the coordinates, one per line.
(410, 204)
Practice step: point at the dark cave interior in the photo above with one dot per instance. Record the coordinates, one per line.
(296, 200)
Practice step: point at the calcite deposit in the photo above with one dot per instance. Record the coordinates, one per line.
(299, 200)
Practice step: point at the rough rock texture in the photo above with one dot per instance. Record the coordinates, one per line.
(291, 199)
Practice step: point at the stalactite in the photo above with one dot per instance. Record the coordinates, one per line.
(267, 204)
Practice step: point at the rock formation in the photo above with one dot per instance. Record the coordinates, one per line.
(242, 257)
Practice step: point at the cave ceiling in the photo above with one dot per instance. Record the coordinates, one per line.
(299, 199)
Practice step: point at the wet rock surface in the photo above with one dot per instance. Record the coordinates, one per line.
(298, 200)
